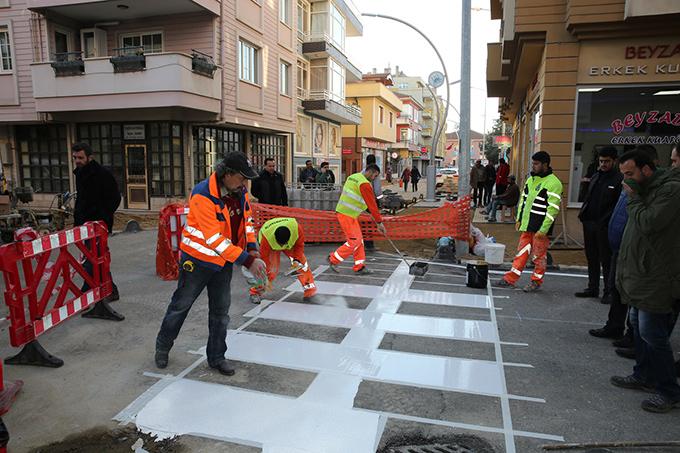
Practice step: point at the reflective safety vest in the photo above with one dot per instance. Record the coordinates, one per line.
(351, 202)
(269, 228)
(540, 203)
(206, 238)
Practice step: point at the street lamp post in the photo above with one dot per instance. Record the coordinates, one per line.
(431, 176)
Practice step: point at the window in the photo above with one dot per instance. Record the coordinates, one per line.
(302, 19)
(337, 27)
(302, 79)
(166, 159)
(151, 42)
(391, 118)
(210, 146)
(381, 113)
(284, 78)
(284, 11)
(5, 50)
(44, 157)
(248, 55)
(337, 79)
(269, 146)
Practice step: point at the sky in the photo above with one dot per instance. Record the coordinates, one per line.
(386, 43)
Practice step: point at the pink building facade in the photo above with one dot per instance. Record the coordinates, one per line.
(160, 98)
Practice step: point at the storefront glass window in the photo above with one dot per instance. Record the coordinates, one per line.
(265, 146)
(623, 117)
(167, 164)
(44, 158)
(210, 146)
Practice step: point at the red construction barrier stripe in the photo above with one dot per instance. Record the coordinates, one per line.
(451, 220)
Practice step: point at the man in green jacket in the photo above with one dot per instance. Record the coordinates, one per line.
(538, 207)
(648, 276)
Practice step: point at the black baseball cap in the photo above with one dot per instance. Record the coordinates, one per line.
(238, 161)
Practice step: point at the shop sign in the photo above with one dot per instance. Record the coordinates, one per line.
(133, 132)
(373, 144)
(502, 140)
(346, 150)
(637, 119)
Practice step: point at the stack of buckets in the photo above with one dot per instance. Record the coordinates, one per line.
(478, 271)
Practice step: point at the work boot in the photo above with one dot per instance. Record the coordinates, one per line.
(626, 353)
(364, 271)
(503, 283)
(491, 220)
(626, 342)
(224, 368)
(631, 383)
(605, 332)
(587, 293)
(532, 287)
(161, 359)
(333, 267)
(659, 404)
(255, 299)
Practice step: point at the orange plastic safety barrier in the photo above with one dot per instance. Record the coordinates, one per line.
(451, 220)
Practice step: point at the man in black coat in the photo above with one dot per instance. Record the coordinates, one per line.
(97, 197)
(270, 188)
(603, 193)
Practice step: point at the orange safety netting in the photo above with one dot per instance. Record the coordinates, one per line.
(451, 220)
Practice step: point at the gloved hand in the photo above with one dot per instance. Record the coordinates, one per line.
(259, 269)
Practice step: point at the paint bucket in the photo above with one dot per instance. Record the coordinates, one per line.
(477, 274)
(494, 253)
(418, 269)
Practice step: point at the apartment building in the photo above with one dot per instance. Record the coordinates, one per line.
(378, 129)
(452, 148)
(323, 70)
(408, 146)
(160, 89)
(432, 111)
(576, 75)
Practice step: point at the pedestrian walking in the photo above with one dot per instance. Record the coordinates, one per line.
(284, 235)
(598, 205)
(538, 208)
(406, 177)
(648, 276)
(415, 177)
(480, 183)
(97, 198)
(502, 176)
(219, 233)
(357, 196)
(490, 181)
(270, 187)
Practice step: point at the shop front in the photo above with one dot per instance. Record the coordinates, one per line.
(320, 141)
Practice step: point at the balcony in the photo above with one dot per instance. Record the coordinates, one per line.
(323, 103)
(91, 11)
(150, 81)
(427, 113)
(351, 13)
(320, 45)
(427, 132)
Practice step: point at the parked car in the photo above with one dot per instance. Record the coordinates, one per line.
(447, 180)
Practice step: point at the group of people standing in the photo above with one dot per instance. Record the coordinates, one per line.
(411, 175)
(631, 217)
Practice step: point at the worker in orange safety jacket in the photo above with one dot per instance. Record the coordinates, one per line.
(357, 196)
(218, 234)
(284, 234)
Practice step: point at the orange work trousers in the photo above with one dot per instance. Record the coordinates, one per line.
(529, 246)
(353, 246)
(273, 260)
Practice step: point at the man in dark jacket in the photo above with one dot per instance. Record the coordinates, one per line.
(598, 205)
(648, 276)
(269, 187)
(490, 181)
(97, 198)
(308, 174)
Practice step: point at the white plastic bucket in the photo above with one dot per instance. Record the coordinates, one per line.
(494, 253)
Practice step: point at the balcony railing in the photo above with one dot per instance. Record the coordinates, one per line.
(325, 95)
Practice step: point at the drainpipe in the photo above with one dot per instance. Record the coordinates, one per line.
(357, 148)
(221, 119)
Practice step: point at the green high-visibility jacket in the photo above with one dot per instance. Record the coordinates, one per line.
(540, 203)
(351, 202)
(269, 228)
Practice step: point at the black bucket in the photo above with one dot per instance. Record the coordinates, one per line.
(477, 274)
(418, 269)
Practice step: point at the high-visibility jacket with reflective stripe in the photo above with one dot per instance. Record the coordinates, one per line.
(206, 238)
(351, 202)
(269, 228)
(540, 203)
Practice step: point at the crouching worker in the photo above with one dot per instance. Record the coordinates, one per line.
(219, 233)
(284, 234)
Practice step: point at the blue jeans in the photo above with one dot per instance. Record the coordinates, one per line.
(89, 268)
(495, 204)
(189, 287)
(654, 362)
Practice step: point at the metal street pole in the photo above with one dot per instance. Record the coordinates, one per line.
(433, 147)
(464, 130)
(431, 176)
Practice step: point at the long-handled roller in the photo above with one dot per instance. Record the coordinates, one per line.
(417, 268)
